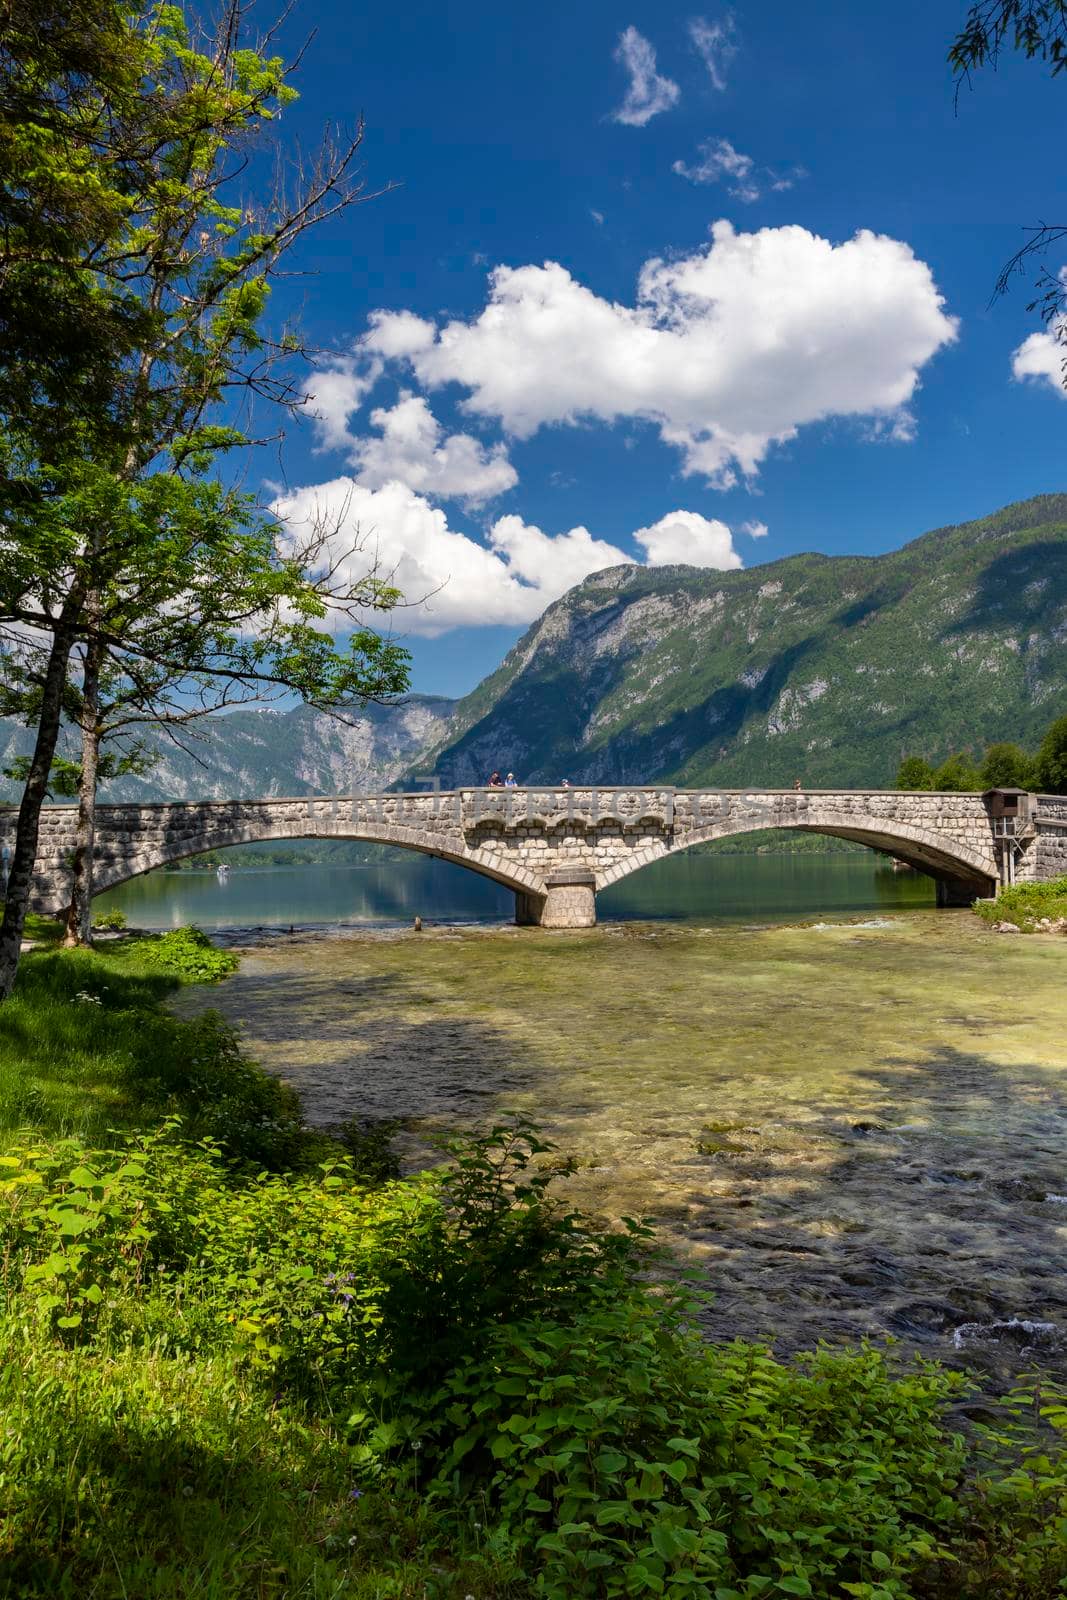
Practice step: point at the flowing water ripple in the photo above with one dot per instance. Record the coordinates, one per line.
(855, 1128)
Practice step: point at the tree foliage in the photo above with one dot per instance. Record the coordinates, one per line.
(915, 773)
(1006, 766)
(1003, 766)
(121, 142)
(956, 775)
(1037, 29)
(1051, 759)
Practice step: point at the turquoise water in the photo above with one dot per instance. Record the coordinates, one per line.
(704, 886)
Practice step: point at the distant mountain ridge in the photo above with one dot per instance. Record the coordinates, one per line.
(826, 668)
(263, 753)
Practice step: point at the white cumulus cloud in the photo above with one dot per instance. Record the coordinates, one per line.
(716, 44)
(412, 447)
(728, 350)
(648, 93)
(755, 530)
(450, 579)
(397, 333)
(334, 393)
(551, 563)
(1041, 357)
(687, 537)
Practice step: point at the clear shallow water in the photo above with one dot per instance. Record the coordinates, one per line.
(701, 886)
(843, 1108)
(847, 1125)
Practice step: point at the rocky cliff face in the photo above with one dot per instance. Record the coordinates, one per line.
(823, 668)
(818, 667)
(265, 753)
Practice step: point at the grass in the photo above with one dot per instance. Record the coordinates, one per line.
(1024, 904)
(237, 1364)
(147, 1476)
(83, 1041)
(87, 1047)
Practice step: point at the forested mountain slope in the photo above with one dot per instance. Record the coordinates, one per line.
(818, 667)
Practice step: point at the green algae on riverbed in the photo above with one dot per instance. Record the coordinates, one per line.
(848, 1128)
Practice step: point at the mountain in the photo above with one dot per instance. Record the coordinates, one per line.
(263, 752)
(826, 668)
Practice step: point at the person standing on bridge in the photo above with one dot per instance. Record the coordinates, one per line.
(495, 781)
(509, 781)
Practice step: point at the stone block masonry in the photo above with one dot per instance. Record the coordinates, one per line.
(557, 847)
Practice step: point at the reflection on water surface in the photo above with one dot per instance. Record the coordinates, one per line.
(707, 884)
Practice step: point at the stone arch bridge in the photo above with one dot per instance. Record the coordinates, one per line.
(557, 847)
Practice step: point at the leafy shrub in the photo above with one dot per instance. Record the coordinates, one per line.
(470, 1342)
(226, 1097)
(369, 1144)
(84, 1040)
(1026, 903)
(635, 1459)
(187, 953)
(110, 921)
(319, 1276)
(1015, 1507)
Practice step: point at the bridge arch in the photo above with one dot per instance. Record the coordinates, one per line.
(946, 860)
(113, 869)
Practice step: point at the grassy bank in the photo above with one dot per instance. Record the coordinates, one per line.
(1026, 904)
(237, 1363)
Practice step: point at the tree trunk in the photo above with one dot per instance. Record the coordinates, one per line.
(79, 929)
(20, 878)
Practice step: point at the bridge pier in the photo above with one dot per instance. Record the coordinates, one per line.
(957, 892)
(570, 901)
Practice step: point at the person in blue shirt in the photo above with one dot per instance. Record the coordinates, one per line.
(509, 781)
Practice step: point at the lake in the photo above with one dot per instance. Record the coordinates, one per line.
(706, 884)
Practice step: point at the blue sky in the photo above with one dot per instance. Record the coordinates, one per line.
(829, 367)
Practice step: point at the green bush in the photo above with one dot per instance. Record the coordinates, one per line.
(187, 953)
(1025, 904)
(323, 1278)
(110, 921)
(369, 1143)
(632, 1458)
(469, 1343)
